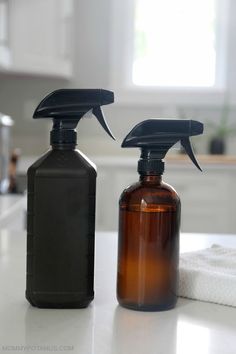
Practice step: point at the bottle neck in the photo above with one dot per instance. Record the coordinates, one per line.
(63, 146)
(151, 179)
(150, 162)
(63, 139)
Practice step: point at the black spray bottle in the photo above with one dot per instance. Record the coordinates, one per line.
(61, 205)
(149, 219)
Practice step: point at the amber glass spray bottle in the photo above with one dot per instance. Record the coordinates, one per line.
(149, 219)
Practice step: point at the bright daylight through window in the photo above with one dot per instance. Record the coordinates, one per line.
(175, 43)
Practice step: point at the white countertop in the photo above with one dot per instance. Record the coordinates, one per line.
(10, 202)
(104, 327)
(13, 211)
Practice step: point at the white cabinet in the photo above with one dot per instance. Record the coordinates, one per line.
(37, 37)
(207, 199)
(4, 35)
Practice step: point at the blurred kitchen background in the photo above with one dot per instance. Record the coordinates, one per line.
(172, 58)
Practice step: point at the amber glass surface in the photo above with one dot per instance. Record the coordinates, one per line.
(148, 249)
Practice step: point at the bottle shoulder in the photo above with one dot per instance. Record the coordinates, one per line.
(38, 162)
(66, 162)
(149, 194)
(139, 188)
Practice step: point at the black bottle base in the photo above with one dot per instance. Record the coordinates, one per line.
(147, 308)
(57, 301)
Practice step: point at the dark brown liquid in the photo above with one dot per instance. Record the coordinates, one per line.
(148, 245)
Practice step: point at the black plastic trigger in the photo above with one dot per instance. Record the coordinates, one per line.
(97, 111)
(188, 148)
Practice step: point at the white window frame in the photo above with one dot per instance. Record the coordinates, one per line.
(122, 55)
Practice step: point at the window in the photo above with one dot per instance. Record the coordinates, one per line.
(170, 51)
(174, 43)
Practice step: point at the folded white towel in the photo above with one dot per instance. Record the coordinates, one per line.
(209, 275)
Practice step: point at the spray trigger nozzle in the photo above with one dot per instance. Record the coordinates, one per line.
(156, 136)
(185, 142)
(67, 106)
(97, 111)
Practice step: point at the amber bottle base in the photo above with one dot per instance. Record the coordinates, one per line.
(147, 308)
